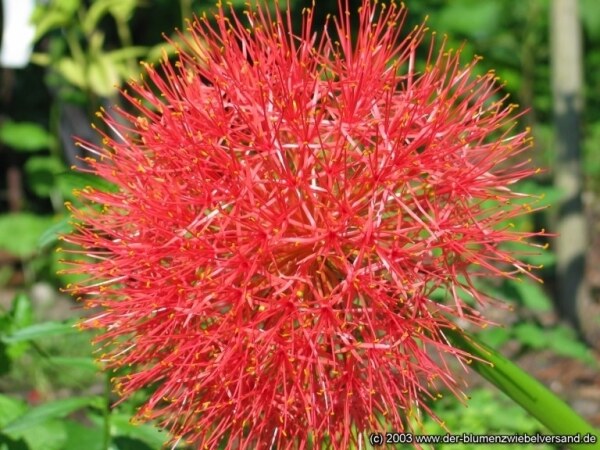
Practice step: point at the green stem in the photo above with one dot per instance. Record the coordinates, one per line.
(533, 396)
(186, 11)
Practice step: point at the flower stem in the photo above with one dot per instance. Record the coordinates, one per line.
(534, 397)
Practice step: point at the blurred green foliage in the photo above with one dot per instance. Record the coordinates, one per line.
(485, 412)
(85, 50)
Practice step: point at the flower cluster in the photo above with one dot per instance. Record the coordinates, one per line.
(288, 208)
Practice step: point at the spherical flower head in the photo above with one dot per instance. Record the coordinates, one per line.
(288, 206)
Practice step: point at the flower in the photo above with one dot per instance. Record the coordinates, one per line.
(287, 209)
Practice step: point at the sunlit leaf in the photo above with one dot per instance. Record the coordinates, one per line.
(143, 432)
(530, 335)
(40, 330)
(20, 232)
(85, 363)
(103, 76)
(51, 410)
(52, 233)
(24, 136)
(48, 435)
(83, 437)
(10, 409)
(72, 71)
(533, 296)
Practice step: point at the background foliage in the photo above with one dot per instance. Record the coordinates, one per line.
(52, 392)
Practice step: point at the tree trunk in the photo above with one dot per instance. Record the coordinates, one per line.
(573, 295)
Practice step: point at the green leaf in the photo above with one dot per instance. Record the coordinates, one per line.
(41, 174)
(146, 433)
(20, 233)
(41, 59)
(21, 311)
(122, 10)
(10, 409)
(49, 435)
(530, 255)
(563, 341)
(533, 296)
(58, 14)
(6, 443)
(103, 76)
(48, 411)
(124, 54)
(126, 443)
(545, 258)
(94, 14)
(5, 359)
(68, 6)
(511, 77)
(590, 16)
(46, 20)
(495, 337)
(547, 195)
(472, 18)
(82, 437)
(531, 335)
(40, 330)
(24, 136)
(75, 362)
(50, 236)
(20, 316)
(72, 71)
(78, 180)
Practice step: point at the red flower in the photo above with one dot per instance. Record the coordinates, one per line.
(286, 207)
